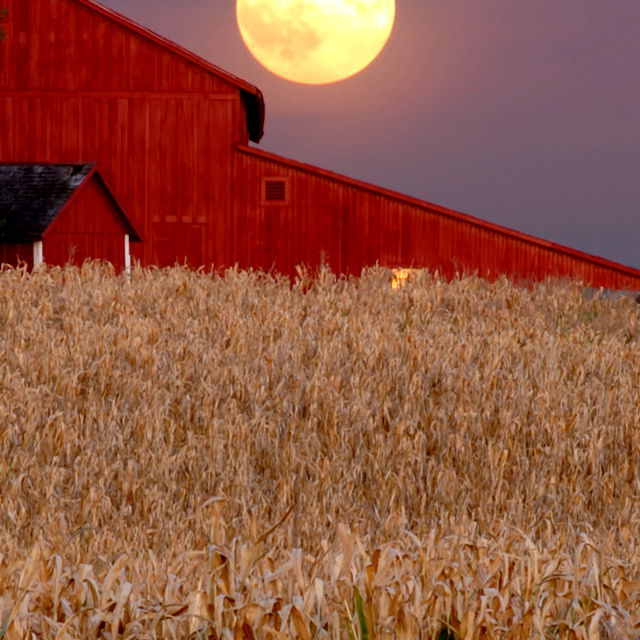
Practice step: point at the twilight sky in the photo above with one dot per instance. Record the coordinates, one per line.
(522, 112)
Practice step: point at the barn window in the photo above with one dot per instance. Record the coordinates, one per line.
(275, 191)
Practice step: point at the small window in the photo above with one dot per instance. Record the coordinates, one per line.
(275, 191)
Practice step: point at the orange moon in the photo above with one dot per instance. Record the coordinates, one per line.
(315, 41)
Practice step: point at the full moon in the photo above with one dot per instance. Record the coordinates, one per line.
(315, 41)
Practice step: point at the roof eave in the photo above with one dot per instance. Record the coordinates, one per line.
(252, 96)
(255, 107)
(24, 239)
(135, 235)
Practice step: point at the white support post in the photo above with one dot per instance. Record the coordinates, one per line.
(38, 256)
(127, 254)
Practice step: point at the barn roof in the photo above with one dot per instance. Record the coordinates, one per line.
(251, 96)
(32, 195)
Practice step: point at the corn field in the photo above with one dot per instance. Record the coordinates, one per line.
(238, 457)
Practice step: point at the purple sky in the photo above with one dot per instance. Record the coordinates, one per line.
(521, 112)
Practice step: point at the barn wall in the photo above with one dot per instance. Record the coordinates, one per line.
(352, 227)
(89, 227)
(80, 87)
(13, 254)
(61, 45)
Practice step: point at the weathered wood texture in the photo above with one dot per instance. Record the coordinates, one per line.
(349, 224)
(89, 227)
(15, 254)
(77, 86)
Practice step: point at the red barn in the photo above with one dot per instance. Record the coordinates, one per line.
(58, 213)
(171, 132)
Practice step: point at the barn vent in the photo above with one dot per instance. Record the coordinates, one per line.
(275, 190)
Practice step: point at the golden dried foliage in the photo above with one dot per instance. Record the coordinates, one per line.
(232, 457)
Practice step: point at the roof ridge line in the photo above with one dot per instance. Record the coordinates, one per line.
(256, 129)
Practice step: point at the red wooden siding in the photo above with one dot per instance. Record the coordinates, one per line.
(351, 225)
(90, 226)
(81, 87)
(14, 254)
(71, 45)
(179, 244)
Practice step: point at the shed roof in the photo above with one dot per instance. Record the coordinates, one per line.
(251, 96)
(32, 195)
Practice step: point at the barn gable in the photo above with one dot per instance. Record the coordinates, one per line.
(69, 45)
(32, 196)
(61, 213)
(79, 81)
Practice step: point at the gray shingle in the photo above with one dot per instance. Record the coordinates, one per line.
(32, 195)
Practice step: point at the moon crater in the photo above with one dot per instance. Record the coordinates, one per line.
(315, 41)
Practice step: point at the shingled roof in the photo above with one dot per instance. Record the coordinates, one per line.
(32, 195)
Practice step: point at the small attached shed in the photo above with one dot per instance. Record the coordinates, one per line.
(61, 214)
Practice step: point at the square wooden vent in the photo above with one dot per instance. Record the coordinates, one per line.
(275, 190)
